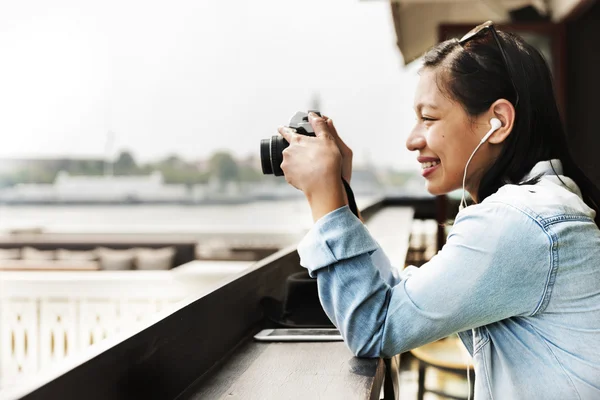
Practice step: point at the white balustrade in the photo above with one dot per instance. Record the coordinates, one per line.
(46, 317)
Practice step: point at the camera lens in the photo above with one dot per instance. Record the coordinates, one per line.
(271, 155)
(265, 156)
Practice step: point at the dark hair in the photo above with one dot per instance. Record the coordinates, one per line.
(475, 75)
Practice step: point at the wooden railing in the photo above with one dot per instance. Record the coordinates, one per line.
(46, 317)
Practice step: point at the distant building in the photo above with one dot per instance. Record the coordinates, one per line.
(98, 189)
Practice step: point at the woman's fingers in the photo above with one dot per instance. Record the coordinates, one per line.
(334, 133)
(345, 151)
(287, 133)
(343, 146)
(331, 127)
(319, 125)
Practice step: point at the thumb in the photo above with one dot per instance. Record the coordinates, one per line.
(319, 125)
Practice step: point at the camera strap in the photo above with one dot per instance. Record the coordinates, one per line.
(351, 199)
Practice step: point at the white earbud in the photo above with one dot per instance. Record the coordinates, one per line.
(496, 124)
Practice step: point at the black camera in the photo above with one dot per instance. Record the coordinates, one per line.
(271, 150)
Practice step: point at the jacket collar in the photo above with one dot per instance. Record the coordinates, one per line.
(552, 170)
(548, 167)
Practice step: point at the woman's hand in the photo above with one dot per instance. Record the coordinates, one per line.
(314, 165)
(345, 151)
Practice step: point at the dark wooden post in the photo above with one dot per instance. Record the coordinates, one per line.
(441, 209)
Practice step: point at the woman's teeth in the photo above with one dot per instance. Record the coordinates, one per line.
(429, 164)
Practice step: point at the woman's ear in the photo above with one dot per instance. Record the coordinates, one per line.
(505, 112)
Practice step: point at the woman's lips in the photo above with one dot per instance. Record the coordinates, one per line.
(428, 164)
(426, 171)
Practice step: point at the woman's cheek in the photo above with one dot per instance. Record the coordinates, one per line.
(435, 138)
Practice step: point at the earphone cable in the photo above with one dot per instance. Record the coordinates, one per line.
(463, 199)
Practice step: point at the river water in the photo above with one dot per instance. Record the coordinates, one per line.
(266, 216)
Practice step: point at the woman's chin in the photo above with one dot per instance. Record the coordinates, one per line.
(435, 189)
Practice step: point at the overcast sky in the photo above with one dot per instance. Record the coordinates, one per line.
(193, 76)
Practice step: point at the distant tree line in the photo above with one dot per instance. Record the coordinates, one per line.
(221, 166)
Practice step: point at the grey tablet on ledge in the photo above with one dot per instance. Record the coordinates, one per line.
(299, 335)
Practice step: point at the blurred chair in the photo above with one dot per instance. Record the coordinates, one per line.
(447, 355)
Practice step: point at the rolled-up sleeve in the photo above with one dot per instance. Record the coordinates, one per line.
(337, 236)
(494, 265)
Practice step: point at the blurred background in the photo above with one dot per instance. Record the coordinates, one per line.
(131, 136)
(148, 103)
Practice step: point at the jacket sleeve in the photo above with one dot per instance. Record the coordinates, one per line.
(495, 264)
(389, 273)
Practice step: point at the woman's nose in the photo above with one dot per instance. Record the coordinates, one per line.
(416, 140)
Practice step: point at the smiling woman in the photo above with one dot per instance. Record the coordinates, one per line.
(518, 278)
(446, 129)
(445, 136)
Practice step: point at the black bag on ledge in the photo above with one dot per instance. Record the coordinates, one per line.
(301, 307)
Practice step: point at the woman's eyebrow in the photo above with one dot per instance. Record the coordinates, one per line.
(428, 105)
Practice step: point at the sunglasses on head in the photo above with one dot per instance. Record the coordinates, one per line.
(489, 26)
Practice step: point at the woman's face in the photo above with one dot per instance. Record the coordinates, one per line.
(445, 137)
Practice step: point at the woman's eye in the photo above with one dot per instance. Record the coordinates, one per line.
(427, 119)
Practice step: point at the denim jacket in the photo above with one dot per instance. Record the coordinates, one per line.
(518, 279)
